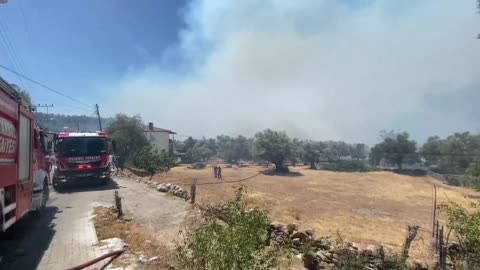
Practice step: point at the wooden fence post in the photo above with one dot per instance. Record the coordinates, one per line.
(118, 205)
(193, 191)
(434, 210)
(441, 250)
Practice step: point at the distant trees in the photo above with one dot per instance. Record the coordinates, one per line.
(57, 122)
(234, 149)
(396, 148)
(128, 134)
(231, 149)
(273, 146)
(312, 152)
(376, 155)
(359, 151)
(454, 154)
(336, 150)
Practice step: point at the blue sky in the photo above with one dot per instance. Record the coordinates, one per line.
(318, 69)
(74, 46)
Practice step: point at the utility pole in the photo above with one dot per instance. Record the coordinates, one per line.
(44, 106)
(98, 115)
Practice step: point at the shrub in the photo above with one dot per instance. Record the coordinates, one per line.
(468, 181)
(347, 167)
(238, 245)
(151, 161)
(349, 259)
(464, 226)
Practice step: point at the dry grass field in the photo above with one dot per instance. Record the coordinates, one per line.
(368, 208)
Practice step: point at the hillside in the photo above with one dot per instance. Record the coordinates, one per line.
(57, 122)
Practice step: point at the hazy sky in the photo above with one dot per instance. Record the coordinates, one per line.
(319, 69)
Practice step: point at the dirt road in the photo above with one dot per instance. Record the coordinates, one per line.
(63, 236)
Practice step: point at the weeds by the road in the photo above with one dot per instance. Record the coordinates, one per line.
(139, 241)
(240, 244)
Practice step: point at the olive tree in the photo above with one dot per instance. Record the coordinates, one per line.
(128, 134)
(273, 146)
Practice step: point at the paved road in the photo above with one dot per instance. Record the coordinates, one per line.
(63, 236)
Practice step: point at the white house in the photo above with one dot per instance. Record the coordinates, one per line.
(160, 138)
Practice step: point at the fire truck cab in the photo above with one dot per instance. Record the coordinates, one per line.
(23, 167)
(80, 156)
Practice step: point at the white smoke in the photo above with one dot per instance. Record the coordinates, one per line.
(317, 69)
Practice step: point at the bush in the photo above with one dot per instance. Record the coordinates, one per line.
(464, 227)
(151, 161)
(347, 167)
(349, 259)
(468, 181)
(238, 245)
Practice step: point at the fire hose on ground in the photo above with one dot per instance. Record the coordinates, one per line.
(114, 254)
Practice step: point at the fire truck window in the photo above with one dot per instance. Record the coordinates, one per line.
(25, 148)
(71, 147)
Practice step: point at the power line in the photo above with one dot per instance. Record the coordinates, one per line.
(231, 181)
(16, 59)
(433, 154)
(44, 86)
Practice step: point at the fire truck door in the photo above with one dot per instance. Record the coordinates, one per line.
(25, 166)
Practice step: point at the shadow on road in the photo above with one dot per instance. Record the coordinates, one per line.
(23, 245)
(87, 186)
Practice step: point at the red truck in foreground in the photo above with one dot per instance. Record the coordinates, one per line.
(81, 156)
(23, 165)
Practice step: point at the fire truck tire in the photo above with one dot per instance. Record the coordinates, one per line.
(56, 185)
(45, 194)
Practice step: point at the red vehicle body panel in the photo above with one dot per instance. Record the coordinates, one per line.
(16, 197)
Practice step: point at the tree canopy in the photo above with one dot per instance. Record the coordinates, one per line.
(273, 146)
(128, 134)
(313, 151)
(454, 154)
(396, 148)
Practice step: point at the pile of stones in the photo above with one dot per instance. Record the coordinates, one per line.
(174, 190)
(324, 252)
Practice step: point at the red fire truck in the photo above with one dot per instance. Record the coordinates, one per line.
(23, 166)
(80, 156)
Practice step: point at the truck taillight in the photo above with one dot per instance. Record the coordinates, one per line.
(63, 134)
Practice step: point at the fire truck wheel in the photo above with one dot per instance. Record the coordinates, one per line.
(45, 194)
(56, 185)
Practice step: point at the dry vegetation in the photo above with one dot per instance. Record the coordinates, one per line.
(138, 239)
(369, 208)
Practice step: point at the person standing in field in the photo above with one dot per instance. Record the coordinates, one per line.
(219, 173)
(215, 171)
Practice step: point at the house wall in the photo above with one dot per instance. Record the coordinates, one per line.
(159, 140)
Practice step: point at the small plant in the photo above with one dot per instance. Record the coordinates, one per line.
(351, 259)
(237, 245)
(464, 227)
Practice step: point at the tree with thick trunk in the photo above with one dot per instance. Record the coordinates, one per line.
(273, 146)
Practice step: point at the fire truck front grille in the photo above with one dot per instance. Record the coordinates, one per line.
(94, 164)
